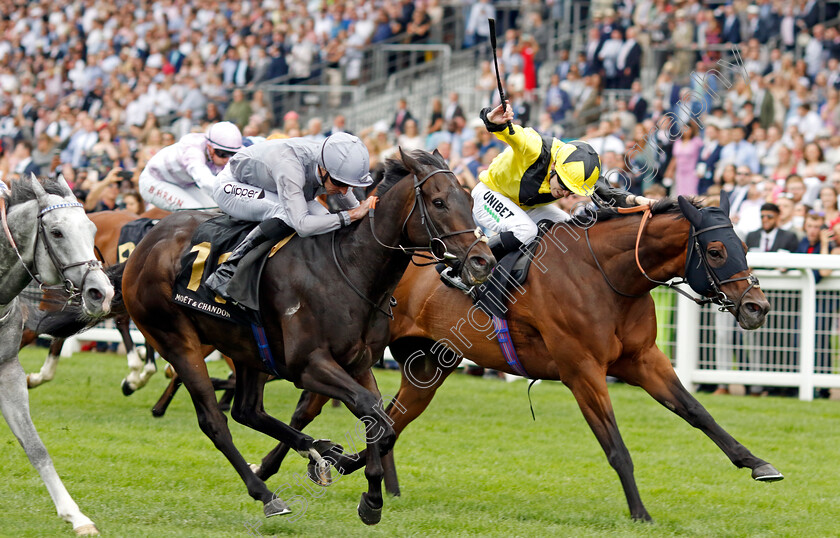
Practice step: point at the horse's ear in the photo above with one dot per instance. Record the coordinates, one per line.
(409, 161)
(65, 188)
(724, 203)
(38, 189)
(437, 154)
(691, 213)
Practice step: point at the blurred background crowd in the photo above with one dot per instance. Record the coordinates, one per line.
(92, 89)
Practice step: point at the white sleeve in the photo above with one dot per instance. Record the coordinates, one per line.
(195, 163)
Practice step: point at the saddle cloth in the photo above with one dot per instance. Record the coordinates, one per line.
(131, 234)
(210, 245)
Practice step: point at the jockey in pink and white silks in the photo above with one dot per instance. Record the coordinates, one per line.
(183, 175)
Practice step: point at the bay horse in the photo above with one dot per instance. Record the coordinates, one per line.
(46, 234)
(585, 312)
(63, 324)
(324, 305)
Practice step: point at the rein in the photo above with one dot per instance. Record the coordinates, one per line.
(435, 239)
(392, 303)
(69, 287)
(720, 298)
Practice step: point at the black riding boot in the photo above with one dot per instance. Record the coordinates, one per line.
(219, 280)
(502, 244)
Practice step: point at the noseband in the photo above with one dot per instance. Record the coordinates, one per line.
(717, 296)
(91, 265)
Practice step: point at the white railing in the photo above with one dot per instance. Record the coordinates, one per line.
(797, 346)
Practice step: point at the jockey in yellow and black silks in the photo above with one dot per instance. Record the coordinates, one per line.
(522, 183)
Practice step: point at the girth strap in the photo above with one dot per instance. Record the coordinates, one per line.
(506, 345)
(264, 349)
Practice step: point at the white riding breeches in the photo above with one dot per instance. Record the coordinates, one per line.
(498, 213)
(172, 197)
(247, 202)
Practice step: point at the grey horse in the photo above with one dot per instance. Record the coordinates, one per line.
(48, 238)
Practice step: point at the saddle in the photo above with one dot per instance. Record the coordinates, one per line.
(510, 272)
(211, 241)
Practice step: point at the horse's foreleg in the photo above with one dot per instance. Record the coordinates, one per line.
(139, 371)
(589, 388)
(14, 404)
(370, 506)
(653, 372)
(324, 376)
(308, 407)
(421, 377)
(47, 372)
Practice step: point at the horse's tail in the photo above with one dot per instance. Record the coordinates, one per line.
(60, 319)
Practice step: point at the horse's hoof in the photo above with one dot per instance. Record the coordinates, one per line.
(276, 508)
(157, 412)
(126, 389)
(319, 474)
(87, 530)
(254, 468)
(767, 473)
(367, 513)
(393, 491)
(644, 518)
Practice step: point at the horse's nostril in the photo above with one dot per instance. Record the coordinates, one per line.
(754, 308)
(478, 261)
(95, 294)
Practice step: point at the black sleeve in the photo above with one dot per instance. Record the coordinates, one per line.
(492, 127)
(608, 196)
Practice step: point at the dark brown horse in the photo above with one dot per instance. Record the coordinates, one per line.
(62, 325)
(584, 313)
(324, 300)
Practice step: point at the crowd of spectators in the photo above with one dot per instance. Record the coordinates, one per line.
(91, 84)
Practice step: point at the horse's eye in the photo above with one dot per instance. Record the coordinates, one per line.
(438, 204)
(57, 234)
(715, 253)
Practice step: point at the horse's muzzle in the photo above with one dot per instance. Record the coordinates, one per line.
(97, 293)
(476, 270)
(752, 313)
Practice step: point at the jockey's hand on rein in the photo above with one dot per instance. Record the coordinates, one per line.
(358, 212)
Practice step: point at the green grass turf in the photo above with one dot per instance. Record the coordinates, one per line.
(474, 465)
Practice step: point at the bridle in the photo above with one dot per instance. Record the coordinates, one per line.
(74, 293)
(713, 293)
(436, 242)
(437, 247)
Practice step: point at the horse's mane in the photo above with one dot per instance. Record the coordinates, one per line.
(21, 191)
(395, 169)
(665, 206)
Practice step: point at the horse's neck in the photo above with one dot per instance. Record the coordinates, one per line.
(14, 276)
(662, 251)
(380, 267)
